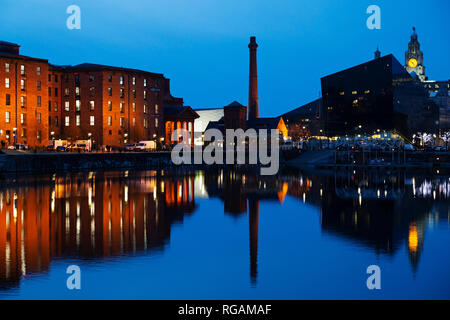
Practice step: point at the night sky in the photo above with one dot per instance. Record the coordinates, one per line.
(201, 45)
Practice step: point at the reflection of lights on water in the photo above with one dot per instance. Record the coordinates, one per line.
(385, 193)
(360, 200)
(321, 192)
(413, 239)
(304, 197)
(378, 193)
(126, 193)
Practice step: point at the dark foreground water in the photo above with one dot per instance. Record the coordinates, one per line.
(222, 235)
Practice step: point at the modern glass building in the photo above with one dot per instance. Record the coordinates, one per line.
(379, 95)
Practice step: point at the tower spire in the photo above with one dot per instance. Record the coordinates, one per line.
(377, 53)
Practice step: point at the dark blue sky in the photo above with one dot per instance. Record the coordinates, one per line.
(201, 45)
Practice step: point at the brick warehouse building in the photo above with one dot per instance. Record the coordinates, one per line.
(108, 105)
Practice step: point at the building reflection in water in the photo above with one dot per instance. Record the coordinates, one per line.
(111, 214)
(87, 216)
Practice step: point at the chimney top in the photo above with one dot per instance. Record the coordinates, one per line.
(253, 42)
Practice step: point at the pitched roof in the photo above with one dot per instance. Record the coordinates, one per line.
(179, 110)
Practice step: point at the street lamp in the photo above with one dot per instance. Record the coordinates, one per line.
(15, 136)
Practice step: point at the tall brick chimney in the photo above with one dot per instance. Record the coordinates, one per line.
(253, 82)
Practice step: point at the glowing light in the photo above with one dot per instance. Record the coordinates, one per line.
(413, 239)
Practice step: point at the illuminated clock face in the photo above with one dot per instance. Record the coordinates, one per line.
(412, 63)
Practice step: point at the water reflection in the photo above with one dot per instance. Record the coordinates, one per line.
(100, 215)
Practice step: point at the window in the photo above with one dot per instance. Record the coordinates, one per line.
(145, 82)
(145, 95)
(49, 78)
(6, 67)
(66, 92)
(56, 92)
(77, 91)
(67, 106)
(156, 109)
(156, 122)
(38, 103)
(122, 107)
(38, 71)
(92, 120)
(109, 78)
(77, 120)
(134, 122)
(145, 123)
(7, 84)
(122, 122)
(22, 70)
(22, 85)
(77, 79)
(134, 81)
(49, 91)
(56, 78)
(134, 107)
(92, 104)
(121, 80)
(92, 91)
(109, 121)
(56, 106)
(49, 105)
(122, 93)
(56, 121)
(67, 121)
(110, 92)
(7, 117)
(91, 78)
(38, 117)
(134, 93)
(23, 101)
(8, 99)
(24, 132)
(77, 105)
(38, 86)
(109, 106)
(145, 108)
(23, 118)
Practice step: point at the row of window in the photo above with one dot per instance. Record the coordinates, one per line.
(92, 121)
(22, 69)
(23, 117)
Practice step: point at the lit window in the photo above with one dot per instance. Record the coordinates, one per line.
(367, 91)
(23, 101)
(92, 120)
(91, 78)
(156, 122)
(78, 120)
(122, 92)
(110, 92)
(7, 83)
(22, 118)
(66, 92)
(38, 71)
(109, 106)
(145, 123)
(7, 117)
(121, 79)
(134, 122)
(38, 117)
(6, 67)
(77, 91)
(145, 94)
(145, 82)
(22, 70)
(121, 107)
(121, 121)
(66, 106)
(134, 107)
(56, 106)
(354, 92)
(109, 121)
(67, 121)
(145, 108)
(77, 105)
(134, 81)
(22, 85)
(156, 109)
(92, 104)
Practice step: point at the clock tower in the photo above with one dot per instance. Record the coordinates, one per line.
(414, 58)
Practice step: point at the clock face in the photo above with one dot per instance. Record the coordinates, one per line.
(412, 63)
